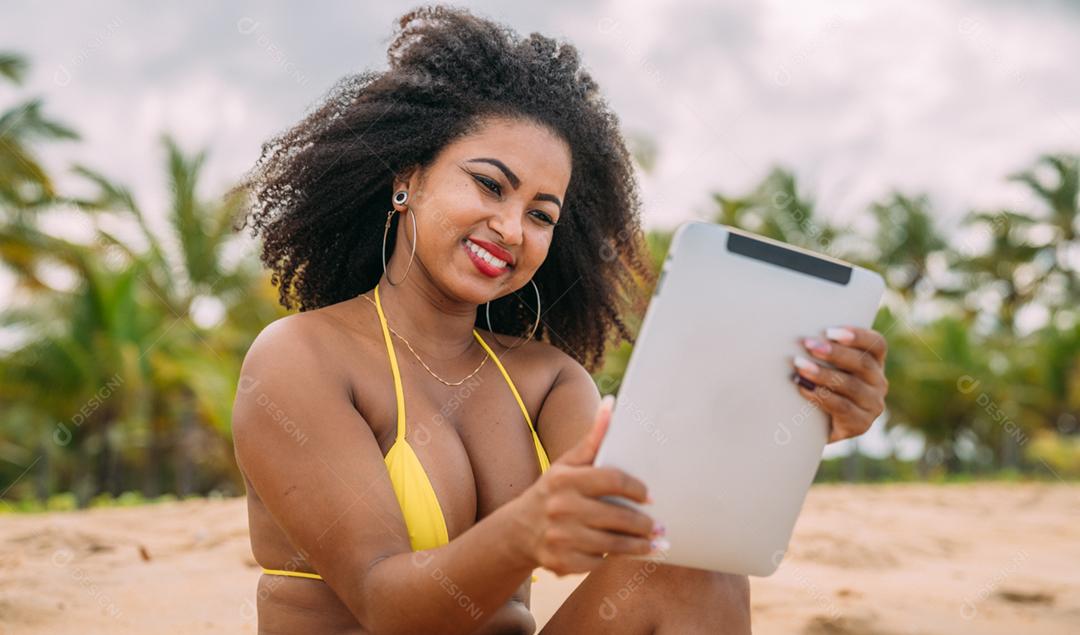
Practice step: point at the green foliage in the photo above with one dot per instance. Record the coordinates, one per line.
(120, 377)
(68, 501)
(1059, 454)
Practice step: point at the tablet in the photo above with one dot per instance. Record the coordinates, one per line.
(707, 415)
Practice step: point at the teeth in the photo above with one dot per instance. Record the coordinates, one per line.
(485, 254)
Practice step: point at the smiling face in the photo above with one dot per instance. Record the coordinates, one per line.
(485, 209)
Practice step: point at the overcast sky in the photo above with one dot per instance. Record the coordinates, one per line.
(856, 97)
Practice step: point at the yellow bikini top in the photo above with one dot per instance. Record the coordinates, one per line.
(419, 504)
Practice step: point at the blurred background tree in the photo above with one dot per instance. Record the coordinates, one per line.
(128, 343)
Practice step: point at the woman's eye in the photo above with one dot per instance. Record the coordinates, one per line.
(493, 187)
(543, 216)
(489, 184)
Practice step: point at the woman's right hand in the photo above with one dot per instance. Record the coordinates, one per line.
(570, 527)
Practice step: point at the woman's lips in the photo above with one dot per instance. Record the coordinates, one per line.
(494, 250)
(485, 267)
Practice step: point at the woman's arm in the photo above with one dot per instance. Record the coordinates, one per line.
(317, 467)
(566, 415)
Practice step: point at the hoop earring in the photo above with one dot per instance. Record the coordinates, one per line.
(400, 197)
(536, 324)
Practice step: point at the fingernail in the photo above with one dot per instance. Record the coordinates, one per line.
(839, 334)
(815, 344)
(659, 529)
(660, 544)
(802, 381)
(649, 500)
(807, 365)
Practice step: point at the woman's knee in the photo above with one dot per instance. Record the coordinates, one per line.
(680, 583)
(727, 586)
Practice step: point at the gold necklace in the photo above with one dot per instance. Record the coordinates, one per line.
(426, 367)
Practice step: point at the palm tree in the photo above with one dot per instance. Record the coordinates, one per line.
(1045, 382)
(83, 370)
(203, 368)
(777, 209)
(200, 232)
(1003, 274)
(24, 183)
(1060, 191)
(936, 373)
(1006, 266)
(25, 187)
(1022, 270)
(132, 323)
(905, 241)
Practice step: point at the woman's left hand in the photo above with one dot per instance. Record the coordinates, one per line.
(853, 392)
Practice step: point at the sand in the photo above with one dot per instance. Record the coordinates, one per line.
(983, 558)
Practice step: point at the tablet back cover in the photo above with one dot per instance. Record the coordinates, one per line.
(707, 415)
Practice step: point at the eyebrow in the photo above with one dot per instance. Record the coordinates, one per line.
(515, 182)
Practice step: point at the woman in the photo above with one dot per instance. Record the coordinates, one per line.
(416, 219)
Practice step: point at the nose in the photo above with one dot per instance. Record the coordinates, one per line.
(508, 226)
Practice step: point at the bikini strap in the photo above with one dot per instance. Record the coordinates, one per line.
(398, 393)
(540, 454)
(295, 574)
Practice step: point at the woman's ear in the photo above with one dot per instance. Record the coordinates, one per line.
(409, 179)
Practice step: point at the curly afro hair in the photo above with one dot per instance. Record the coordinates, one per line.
(320, 191)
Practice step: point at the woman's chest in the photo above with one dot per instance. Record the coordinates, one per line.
(472, 440)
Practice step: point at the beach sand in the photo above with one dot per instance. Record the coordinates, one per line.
(982, 558)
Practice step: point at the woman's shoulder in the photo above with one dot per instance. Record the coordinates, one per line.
(535, 356)
(322, 335)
